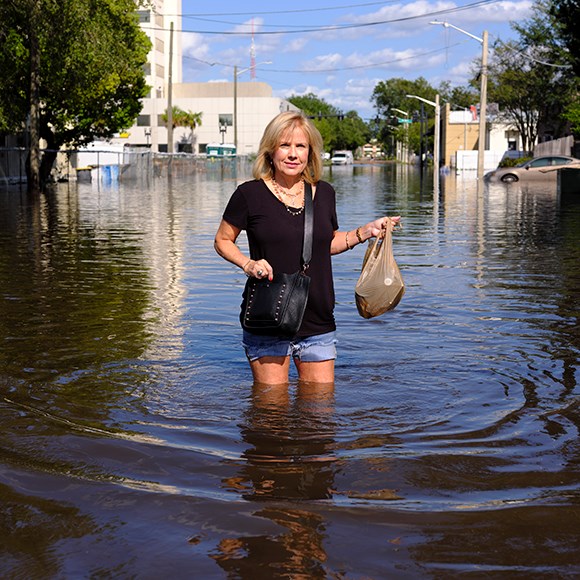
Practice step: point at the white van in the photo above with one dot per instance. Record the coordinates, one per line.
(342, 158)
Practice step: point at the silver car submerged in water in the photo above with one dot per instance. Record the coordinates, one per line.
(537, 169)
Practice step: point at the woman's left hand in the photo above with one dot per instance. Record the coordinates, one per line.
(373, 229)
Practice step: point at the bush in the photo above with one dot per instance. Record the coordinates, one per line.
(508, 162)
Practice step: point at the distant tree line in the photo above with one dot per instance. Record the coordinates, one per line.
(339, 130)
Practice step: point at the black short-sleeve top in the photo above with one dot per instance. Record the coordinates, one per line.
(276, 235)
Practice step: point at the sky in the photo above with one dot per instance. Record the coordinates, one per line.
(339, 51)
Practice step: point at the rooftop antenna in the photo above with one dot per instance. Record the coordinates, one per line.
(253, 56)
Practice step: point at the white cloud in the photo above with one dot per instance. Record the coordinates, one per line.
(194, 45)
(324, 62)
(252, 25)
(499, 12)
(295, 45)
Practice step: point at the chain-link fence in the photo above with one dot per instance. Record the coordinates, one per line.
(125, 164)
(12, 165)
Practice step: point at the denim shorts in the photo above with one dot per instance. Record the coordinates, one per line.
(312, 349)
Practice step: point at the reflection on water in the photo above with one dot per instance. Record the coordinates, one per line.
(130, 425)
(290, 457)
(290, 445)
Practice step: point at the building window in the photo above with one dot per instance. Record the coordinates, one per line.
(226, 119)
(160, 71)
(160, 121)
(144, 16)
(159, 45)
(144, 121)
(147, 68)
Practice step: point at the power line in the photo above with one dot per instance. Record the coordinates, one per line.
(330, 70)
(338, 27)
(363, 66)
(512, 48)
(276, 12)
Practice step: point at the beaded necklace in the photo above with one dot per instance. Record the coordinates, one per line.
(279, 193)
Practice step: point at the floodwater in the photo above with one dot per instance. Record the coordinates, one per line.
(133, 444)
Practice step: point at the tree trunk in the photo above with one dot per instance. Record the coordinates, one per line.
(34, 115)
(48, 160)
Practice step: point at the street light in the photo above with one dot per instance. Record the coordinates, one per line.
(483, 93)
(406, 155)
(236, 74)
(436, 137)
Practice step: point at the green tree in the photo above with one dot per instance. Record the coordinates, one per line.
(459, 97)
(339, 130)
(181, 118)
(531, 80)
(567, 14)
(392, 94)
(322, 113)
(70, 83)
(352, 132)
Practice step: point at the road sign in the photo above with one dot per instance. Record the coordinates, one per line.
(405, 120)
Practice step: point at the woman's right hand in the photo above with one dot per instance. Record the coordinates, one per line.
(258, 269)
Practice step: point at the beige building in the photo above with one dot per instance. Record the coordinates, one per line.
(459, 132)
(253, 101)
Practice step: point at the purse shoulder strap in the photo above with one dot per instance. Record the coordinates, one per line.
(308, 226)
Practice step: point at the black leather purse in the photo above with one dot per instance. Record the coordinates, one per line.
(276, 307)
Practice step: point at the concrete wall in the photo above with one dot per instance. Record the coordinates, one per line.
(459, 132)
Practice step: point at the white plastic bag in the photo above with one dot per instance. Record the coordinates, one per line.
(380, 286)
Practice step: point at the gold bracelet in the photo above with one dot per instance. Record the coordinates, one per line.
(348, 246)
(359, 236)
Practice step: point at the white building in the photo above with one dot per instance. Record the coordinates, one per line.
(460, 139)
(217, 102)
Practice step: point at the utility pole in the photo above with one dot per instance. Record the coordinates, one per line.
(170, 94)
(437, 132)
(236, 108)
(422, 126)
(482, 96)
(482, 109)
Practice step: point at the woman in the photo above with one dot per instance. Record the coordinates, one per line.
(270, 209)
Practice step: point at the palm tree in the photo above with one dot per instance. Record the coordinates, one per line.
(192, 120)
(183, 118)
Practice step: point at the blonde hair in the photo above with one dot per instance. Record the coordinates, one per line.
(273, 135)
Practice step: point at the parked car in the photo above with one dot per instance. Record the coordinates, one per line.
(342, 158)
(531, 170)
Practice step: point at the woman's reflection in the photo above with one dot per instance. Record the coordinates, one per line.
(290, 457)
(291, 453)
